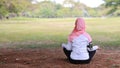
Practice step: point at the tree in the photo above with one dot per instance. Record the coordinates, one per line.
(114, 4)
(3, 9)
(13, 6)
(71, 2)
(46, 9)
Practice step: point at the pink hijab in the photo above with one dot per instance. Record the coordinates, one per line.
(78, 30)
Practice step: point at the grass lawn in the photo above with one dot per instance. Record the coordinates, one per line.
(37, 33)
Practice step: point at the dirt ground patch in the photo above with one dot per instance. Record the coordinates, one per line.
(54, 58)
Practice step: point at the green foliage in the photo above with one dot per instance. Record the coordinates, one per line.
(117, 13)
(76, 13)
(3, 9)
(93, 12)
(114, 4)
(13, 6)
(47, 9)
(65, 12)
(51, 9)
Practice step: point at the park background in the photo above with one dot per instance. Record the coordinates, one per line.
(32, 31)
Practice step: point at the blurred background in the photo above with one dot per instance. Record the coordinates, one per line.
(59, 8)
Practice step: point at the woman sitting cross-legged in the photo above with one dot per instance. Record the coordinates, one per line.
(78, 49)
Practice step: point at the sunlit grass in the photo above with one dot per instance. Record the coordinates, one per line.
(35, 32)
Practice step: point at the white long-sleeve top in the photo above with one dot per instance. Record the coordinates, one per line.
(78, 47)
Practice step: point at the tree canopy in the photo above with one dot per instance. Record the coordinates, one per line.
(114, 4)
(51, 9)
(13, 6)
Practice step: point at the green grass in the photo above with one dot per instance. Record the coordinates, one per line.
(37, 33)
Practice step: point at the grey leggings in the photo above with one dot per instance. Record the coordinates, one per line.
(91, 54)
